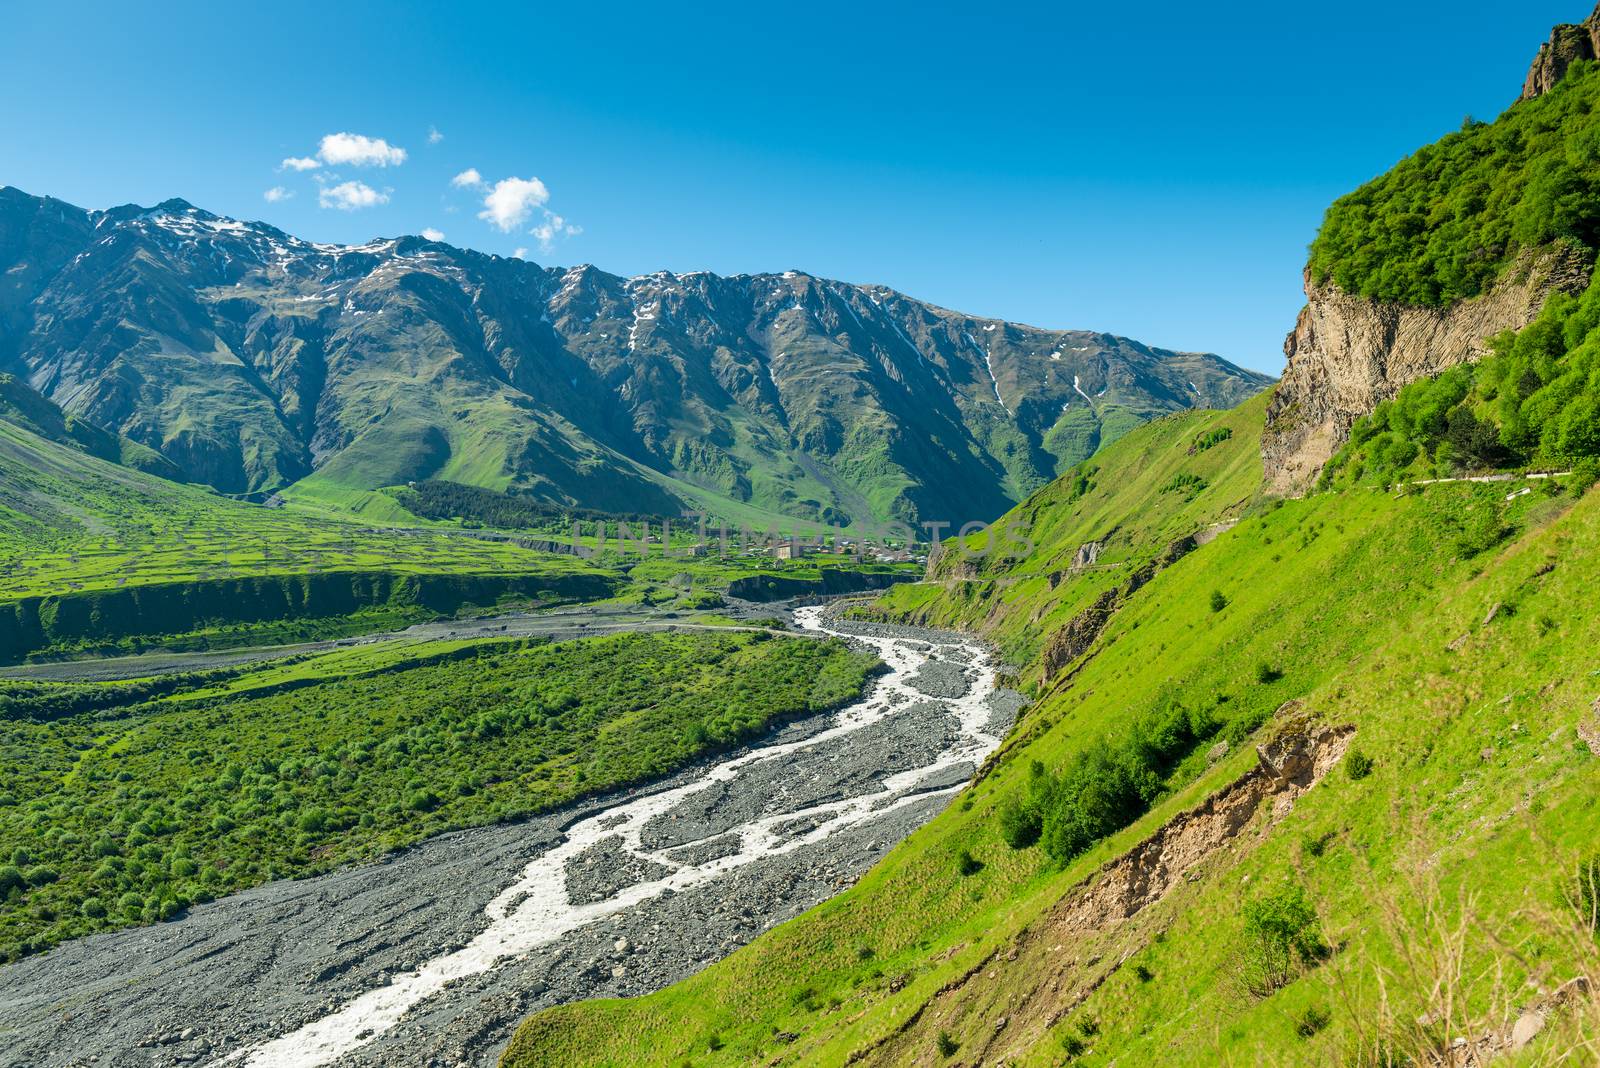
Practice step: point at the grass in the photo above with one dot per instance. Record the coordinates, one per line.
(97, 559)
(1115, 501)
(71, 523)
(152, 797)
(1366, 610)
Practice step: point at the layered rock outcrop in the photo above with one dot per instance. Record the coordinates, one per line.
(1349, 353)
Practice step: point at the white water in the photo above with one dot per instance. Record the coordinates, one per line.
(534, 910)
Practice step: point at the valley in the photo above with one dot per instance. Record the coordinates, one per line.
(380, 686)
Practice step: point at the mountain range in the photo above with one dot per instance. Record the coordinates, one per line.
(238, 356)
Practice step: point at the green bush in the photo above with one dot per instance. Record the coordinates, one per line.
(1106, 786)
(1218, 601)
(1184, 482)
(946, 1045)
(1357, 765)
(1585, 473)
(1020, 824)
(967, 864)
(1282, 936)
(1312, 1020)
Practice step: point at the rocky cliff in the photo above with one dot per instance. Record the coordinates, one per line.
(1568, 43)
(1348, 353)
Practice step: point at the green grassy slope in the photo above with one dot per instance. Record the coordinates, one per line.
(71, 521)
(23, 407)
(123, 803)
(1340, 609)
(1133, 498)
(94, 554)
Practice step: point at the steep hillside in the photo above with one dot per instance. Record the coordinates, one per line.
(1441, 674)
(24, 408)
(258, 363)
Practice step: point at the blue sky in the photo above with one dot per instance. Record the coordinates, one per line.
(1153, 170)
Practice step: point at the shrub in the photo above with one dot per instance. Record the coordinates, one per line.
(1585, 473)
(1020, 824)
(1357, 765)
(1218, 601)
(1186, 483)
(1266, 674)
(1110, 783)
(1282, 936)
(427, 800)
(1312, 1020)
(947, 1046)
(967, 864)
(10, 879)
(1315, 845)
(42, 875)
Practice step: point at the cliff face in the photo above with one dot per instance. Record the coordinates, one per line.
(1568, 43)
(1347, 354)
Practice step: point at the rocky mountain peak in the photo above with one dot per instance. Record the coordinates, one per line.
(1569, 42)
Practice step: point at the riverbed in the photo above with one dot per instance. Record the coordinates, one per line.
(435, 954)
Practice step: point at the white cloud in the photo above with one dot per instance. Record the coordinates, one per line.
(350, 196)
(511, 201)
(434, 136)
(521, 254)
(299, 163)
(468, 179)
(554, 226)
(338, 149)
(433, 235)
(277, 193)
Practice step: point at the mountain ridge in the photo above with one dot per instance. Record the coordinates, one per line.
(258, 362)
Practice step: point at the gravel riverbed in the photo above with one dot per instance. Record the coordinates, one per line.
(434, 955)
